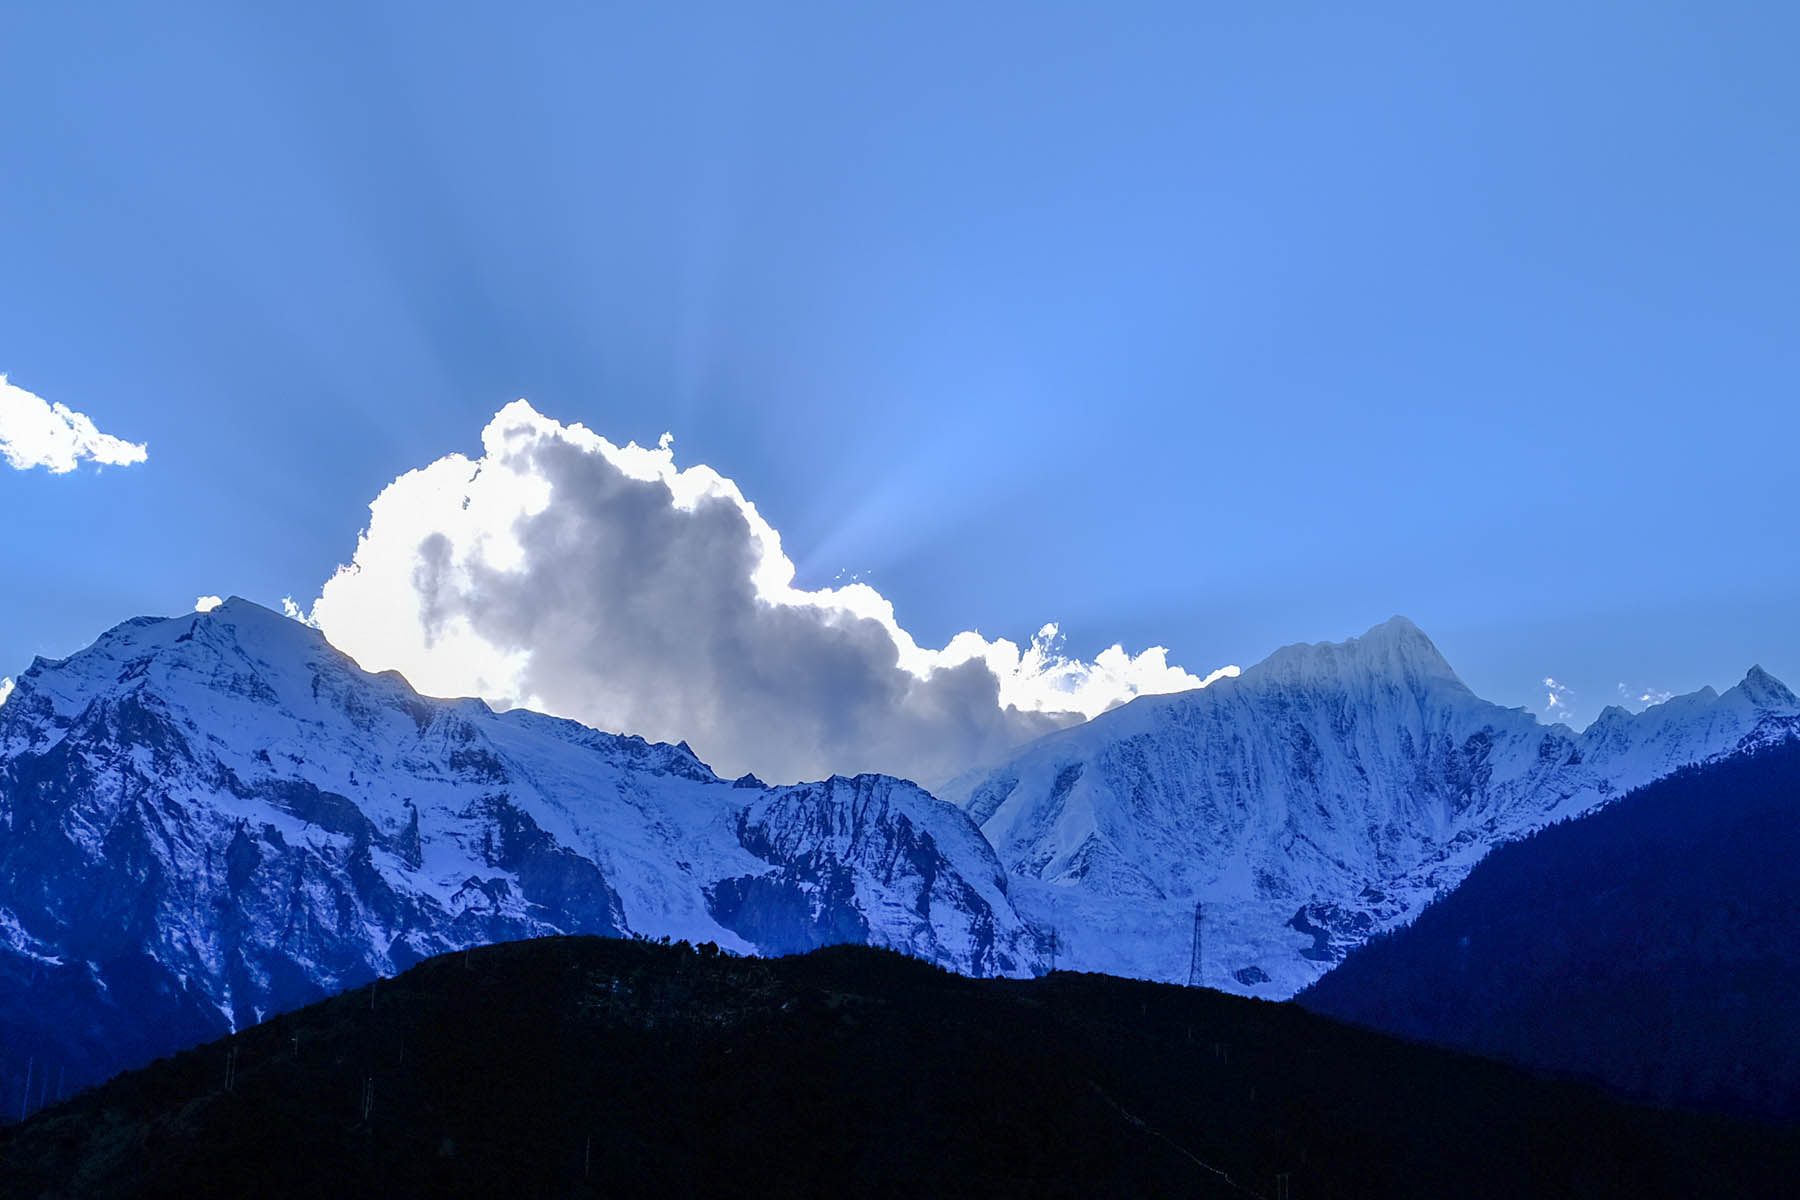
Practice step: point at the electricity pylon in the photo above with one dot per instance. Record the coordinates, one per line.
(1197, 961)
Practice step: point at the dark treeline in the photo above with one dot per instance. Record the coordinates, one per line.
(1651, 946)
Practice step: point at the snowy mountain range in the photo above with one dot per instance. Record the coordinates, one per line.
(208, 818)
(1324, 794)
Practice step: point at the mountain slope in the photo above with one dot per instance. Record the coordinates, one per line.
(579, 1066)
(213, 817)
(1649, 946)
(1324, 794)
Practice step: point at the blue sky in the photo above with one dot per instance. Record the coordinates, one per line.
(1207, 326)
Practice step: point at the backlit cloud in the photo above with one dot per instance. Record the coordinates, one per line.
(36, 433)
(292, 610)
(606, 584)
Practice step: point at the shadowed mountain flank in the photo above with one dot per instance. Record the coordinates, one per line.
(1649, 946)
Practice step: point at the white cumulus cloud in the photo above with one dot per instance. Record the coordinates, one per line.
(207, 603)
(604, 583)
(36, 433)
(6, 688)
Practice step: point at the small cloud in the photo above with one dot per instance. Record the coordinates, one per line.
(6, 688)
(1045, 679)
(36, 433)
(1649, 697)
(1560, 699)
(207, 603)
(294, 612)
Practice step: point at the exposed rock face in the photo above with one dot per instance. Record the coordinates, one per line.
(823, 837)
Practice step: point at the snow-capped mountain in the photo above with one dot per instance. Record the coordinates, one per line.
(1323, 795)
(207, 818)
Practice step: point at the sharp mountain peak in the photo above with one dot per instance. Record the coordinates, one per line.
(1395, 646)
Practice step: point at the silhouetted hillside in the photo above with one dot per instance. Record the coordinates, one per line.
(1650, 945)
(581, 1066)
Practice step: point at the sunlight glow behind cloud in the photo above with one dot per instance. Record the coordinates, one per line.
(36, 433)
(604, 583)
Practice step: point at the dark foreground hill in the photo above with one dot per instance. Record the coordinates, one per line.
(583, 1066)
(1650, 946)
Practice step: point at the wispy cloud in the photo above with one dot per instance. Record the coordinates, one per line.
(1559, 703)
(294, 612)
(1647, 696)
(37, 433)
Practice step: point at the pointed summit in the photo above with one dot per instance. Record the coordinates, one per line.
(236, 609)
(1396, 648)
(1398, 631)
(1764, 690)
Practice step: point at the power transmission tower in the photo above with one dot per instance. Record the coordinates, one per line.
(1197, 961)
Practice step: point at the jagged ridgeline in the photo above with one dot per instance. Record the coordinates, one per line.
(215, 817)
(576, 1067)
